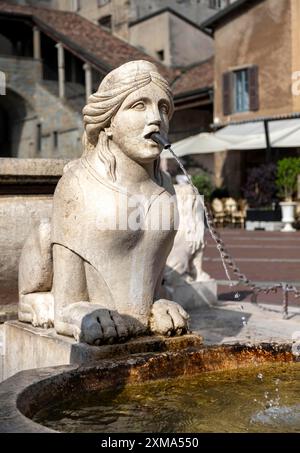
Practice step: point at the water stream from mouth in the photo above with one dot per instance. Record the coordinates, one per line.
(219, 243)
(209, 221)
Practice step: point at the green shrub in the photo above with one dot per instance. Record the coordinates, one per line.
(287, 171)
(203, 183)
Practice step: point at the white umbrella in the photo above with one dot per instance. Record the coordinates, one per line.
(202, 143)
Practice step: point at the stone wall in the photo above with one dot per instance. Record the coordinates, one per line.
(196, 45)
(57, 116)
(22, 75)
(260, 36)
(164, 32)
(153, 36)
(30, 102)
(94, 10)
(18, 215)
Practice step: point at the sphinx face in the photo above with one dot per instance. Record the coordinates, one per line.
(143, 112)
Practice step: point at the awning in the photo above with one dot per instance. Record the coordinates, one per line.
(197, 144)
(282, 134)
(245, 136)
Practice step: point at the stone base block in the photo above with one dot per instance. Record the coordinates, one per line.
(27, 347)
(18, 215)
(263, 225)
(195, 294)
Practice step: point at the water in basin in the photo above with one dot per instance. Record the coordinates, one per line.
(256, 399)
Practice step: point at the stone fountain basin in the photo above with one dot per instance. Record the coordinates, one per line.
(22, 395)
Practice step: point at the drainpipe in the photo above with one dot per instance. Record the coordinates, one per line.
(268, 144)
(88, 80)
(61, 69)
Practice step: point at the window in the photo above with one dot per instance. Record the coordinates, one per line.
(55, 139)
(39, 137)
(240, 91)
(218, 4)
(161, 55)
(106, 22)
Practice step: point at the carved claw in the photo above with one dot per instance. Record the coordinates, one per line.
(168, 318)
(93, 324)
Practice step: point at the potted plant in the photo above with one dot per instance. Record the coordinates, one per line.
(286, 181)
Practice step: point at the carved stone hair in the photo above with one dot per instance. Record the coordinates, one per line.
(104, 104)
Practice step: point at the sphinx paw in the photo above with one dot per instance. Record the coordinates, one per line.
(168, 318)
(92, 324)
(37, 308)
(103, 326)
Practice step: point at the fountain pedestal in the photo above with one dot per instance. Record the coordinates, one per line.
(27, 347)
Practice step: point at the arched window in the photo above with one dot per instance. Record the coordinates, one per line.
(17, 120)
(6, 47)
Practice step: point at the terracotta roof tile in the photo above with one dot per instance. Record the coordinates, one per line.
(103, 49)
(87, 39)
(196, 77)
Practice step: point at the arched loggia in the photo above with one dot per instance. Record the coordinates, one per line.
(17, 126)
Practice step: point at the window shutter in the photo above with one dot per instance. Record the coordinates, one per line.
(227, 93)
(253, 88)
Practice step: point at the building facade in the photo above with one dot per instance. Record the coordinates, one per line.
(149, 25)
(116, 15)
(256, 77)
(53, 61)
(167, 29)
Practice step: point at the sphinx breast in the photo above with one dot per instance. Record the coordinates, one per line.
(99, 223)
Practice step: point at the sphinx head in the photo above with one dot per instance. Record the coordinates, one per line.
(132, 101)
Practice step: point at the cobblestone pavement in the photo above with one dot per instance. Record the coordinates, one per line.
(265, 258)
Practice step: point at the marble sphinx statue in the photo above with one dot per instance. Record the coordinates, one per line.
(94, 271)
